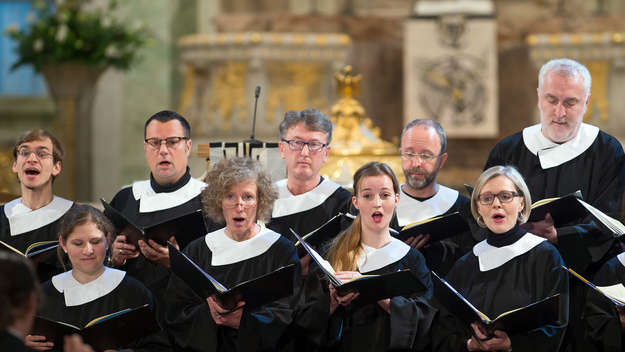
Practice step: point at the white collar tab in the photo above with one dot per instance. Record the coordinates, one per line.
(551, 154)
(410, 210)
(228, 251)
(150, 201)
(491, 257)
(372, 259)
(22, 219)
(288, 204)
(76, 293)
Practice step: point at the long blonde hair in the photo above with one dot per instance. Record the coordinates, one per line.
(345, 248)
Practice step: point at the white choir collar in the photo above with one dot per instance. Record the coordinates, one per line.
(376, 258)
(22, 219)
(225, 250)
(491, 257)
(150, 201)
(288, 204)
(76, 293)
(552, 154)
(621, 258)
(410, 210)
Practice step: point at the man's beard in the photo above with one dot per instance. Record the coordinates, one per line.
(427, 180)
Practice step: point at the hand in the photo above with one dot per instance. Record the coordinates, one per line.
(157, 253)
(480, 341)
(621, 317)
(74, 343)
(418, 241)
(385, 304)
(221, 316)
(305, 264)
(544, 228)
(38, 342)
(121, 251)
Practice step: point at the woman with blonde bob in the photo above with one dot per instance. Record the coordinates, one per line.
(367, 247)
(240, 193)
(510, 269)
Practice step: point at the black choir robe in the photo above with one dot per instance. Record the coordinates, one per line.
(147, 203)
(504, 272)
(230, 262)
(10, 342)
(304, 213)
(439, 255)
(21, 227)
(368, 327)
(593, 162)
(603, 331)
(66, 300)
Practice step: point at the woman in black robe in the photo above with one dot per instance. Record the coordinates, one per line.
(366, 247)
(508, 270)
(239, 193)
(90, 290)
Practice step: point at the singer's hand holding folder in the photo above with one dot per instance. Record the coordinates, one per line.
(256, 292)
(189, 225)
(522, 319)
(371, 287)
(438, 228)
(111, 331)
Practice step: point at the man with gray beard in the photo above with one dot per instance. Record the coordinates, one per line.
(423, 154)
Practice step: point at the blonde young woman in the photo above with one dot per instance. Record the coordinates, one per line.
(367, 248)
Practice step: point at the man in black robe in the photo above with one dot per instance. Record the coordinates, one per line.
(306, 201)
(34, 217)
(562, 155)
(423, 154)
(170, 192)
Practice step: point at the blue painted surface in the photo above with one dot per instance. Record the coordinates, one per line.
(24, 80)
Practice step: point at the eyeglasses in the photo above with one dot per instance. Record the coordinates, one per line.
(298, 145)
(170, 142)
(231, 201)
(421, 156)
(40, 154)
(503, 196)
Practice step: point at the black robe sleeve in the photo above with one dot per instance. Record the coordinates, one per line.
(188, 317)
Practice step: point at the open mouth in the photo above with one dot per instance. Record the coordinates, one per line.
(498, 217)
(377, 217)
(238, 220)
(32, 172)
(164, 163)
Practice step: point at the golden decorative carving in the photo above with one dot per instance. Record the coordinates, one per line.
(293, 86)
(599, 71)
(355, 140)
(8, 180)
(228, 93)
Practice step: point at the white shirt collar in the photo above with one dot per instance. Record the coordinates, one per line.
(76, 293)
(621, 258)
(491, 257)
(150, 201)
(22, 219)
(376, 258)
(288, 204)
(552, 154)
(227, 251)
(410, 210)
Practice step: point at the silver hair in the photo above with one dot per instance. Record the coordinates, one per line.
(567, 67)
(513, 175)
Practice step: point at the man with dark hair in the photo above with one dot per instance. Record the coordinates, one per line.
(170, 192)
(306, 200)
(423, 154)
(34, 217)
